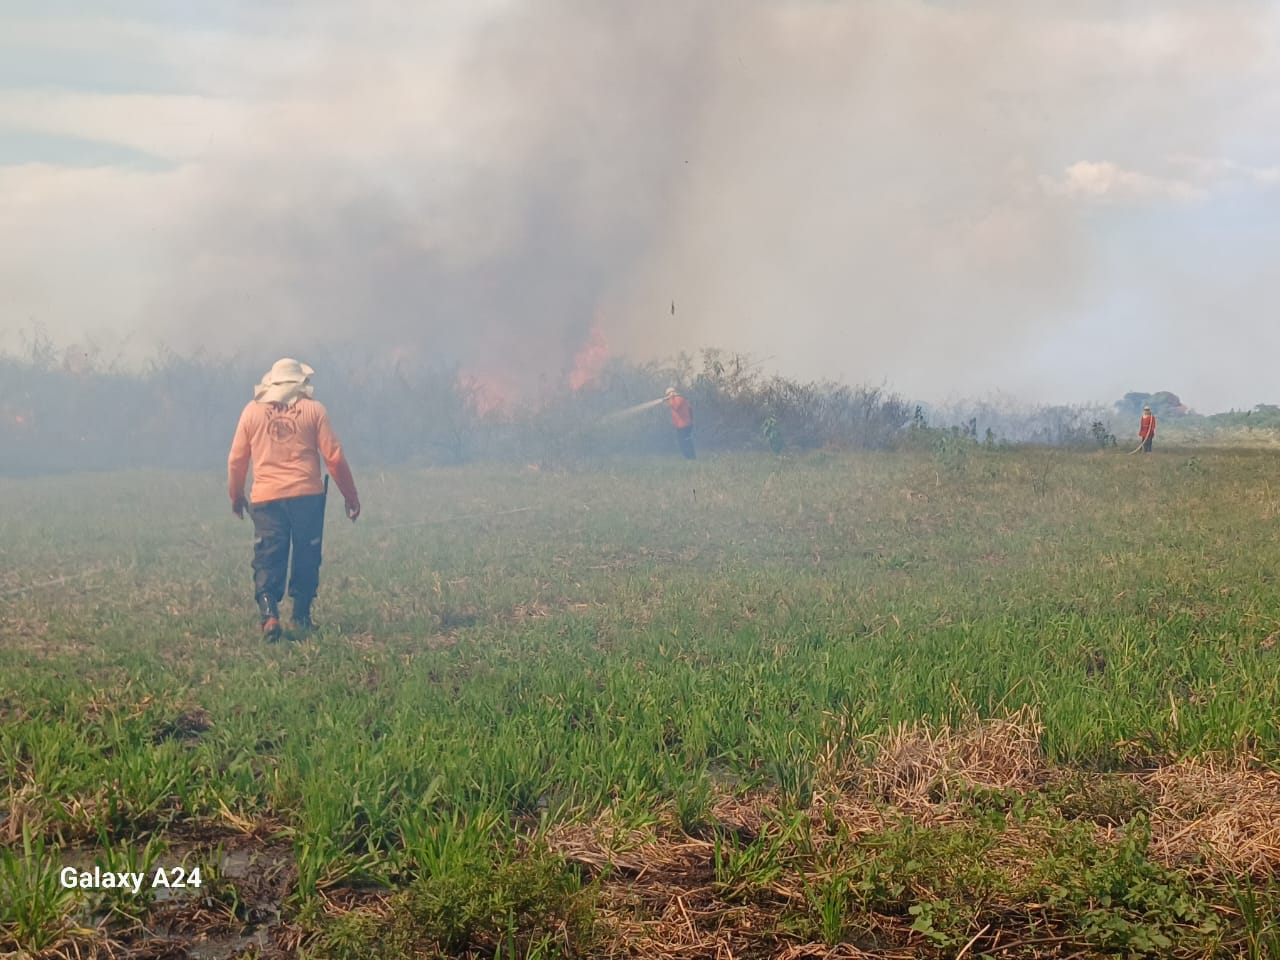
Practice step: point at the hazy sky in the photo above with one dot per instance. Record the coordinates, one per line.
(1063, 201)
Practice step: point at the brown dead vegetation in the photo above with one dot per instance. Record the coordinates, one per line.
(1214, 816)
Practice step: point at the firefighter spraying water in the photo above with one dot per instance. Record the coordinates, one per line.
(682, 420)
(631, 411)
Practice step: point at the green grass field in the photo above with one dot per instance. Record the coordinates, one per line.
(983, 703)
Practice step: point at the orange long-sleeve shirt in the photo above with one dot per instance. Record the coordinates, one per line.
(1147, 427)
(285, 445)
(681, 412)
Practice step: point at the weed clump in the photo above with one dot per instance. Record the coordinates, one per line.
(522, 905)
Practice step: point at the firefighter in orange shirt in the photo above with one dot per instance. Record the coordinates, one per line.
(682, 420)
(1147, 429)
(285, 433)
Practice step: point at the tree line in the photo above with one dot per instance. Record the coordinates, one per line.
(64, 410)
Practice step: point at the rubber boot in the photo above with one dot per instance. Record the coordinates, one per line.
(270, 616)
(302, 615)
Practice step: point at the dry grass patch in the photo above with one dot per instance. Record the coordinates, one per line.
(1217, 816)
(21, 810)
(920, 765)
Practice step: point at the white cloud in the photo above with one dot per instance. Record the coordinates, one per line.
(1108, 182)
(1223, 170)
(171, 127)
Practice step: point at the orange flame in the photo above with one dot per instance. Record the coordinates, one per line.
(19, 418)
(488, 392)
(590, 360)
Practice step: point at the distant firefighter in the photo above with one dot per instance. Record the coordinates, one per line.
(682, 420)
(284, 433)
(1147, 429)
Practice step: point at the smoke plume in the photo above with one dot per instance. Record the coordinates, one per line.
(955, 198)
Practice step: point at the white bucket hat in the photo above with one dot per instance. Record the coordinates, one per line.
(285, 382)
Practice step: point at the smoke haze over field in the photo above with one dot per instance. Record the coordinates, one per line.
(1065, 202)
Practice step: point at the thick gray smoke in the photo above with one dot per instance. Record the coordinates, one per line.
(1036, 197)
(482, 215)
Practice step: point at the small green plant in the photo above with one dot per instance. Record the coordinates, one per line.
(829, 903)
(1041, 471)
(521, 904)
(1260, 917)
(1120, 900)
(742, 871)
(122, 905)
(693, 801)
(938, 921)
(35, 909)
(951, 450)
(1102, 436)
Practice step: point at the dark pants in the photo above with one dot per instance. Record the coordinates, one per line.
(277, 524)
(1146, 444)
(686, 442)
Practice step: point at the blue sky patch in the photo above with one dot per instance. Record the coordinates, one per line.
(25, 146)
